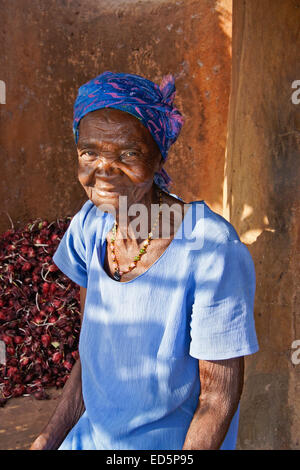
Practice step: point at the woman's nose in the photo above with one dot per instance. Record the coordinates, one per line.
(104, 164)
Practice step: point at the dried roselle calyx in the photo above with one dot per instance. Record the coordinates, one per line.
(40, 394)
(18, 390)
(39, 313)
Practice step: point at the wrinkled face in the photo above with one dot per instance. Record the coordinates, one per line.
(117, 156)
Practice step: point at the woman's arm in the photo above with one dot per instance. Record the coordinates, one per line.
(69, 409)
(65, 416)
(221, 389)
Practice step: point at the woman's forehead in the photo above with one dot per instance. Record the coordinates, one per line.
(113, 123)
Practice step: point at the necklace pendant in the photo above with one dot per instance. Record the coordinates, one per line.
(117, 275)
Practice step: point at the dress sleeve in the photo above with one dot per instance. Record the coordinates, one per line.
(222, 321)
(70, 255)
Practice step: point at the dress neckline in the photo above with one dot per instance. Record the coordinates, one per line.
(169, 247)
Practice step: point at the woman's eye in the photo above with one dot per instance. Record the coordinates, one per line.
(89, 155)
(129, 154)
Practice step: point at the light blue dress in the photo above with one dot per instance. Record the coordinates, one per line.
(141, 340)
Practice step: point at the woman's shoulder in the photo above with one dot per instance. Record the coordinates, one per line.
(210, 225)
(199, 220)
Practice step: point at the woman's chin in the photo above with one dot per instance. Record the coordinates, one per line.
(108, 202)
(101, 196)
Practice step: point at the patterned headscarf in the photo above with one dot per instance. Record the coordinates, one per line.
(148, 102)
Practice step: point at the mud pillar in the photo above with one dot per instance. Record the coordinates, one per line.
(261, 199)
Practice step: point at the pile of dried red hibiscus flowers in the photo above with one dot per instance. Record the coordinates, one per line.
(39, 312)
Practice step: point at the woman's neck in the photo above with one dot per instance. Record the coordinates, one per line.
(135, 225)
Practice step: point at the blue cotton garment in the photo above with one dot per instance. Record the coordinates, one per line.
(141, 340)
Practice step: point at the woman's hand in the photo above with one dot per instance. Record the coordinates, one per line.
(41, 443)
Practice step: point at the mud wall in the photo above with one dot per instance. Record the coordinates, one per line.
(50, 48)
(261, 199)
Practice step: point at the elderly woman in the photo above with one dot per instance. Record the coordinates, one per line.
(166, 320)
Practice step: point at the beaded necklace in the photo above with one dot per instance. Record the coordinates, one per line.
(118, 273)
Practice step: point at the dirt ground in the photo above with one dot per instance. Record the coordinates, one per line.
(22, 418)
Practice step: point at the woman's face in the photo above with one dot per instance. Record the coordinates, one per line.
(117, 156)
